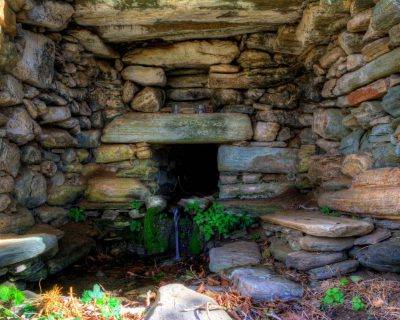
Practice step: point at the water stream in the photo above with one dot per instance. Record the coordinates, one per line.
(175, 211)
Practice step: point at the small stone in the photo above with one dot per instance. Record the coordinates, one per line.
(350, 42)
(391, 101)
(360, 21)
(128, 91)
(224, 68)
(354, 62)
(374, 237)
(21, 128)
(334, 270)
(375, 49)
(263, 285)
(11, 90)
(9, 157)
(254, 59)
(5, 202)
(89, 139)
(145, 76)
(48, 214)
(284, 97)
(235, 254)
(56, 138)
(328, 124)
(6, 184)
(303, 260)
(149, 100)
(354, 164)
(64, 194)
(280, 249)
(55, 114)
(31, 189)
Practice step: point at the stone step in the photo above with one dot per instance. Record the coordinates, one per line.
(382, 202)
(163, 128)
(14, 248)
(263, 285)
(235, 254)
(333, 270)
(316, 224)
(303, 260)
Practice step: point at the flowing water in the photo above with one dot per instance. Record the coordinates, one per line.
(175, 211)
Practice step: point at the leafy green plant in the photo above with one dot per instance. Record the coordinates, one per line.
(333, 296)
(217, 221)
(355, 279)
(77, 214)
(195, 244)
(357, 304)
(329, 212)
(193, 207)
(10, 297)
(135, 204)
(109, 307)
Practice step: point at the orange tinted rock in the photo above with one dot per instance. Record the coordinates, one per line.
(378, 178)
(373, 91)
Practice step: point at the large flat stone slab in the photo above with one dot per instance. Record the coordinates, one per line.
(319, 225)
(235, 254)
(303, 260)
(263, 285)
(378, 201)
(178, 128)
(14, 249)
(176, 302)
(177, 20)
(257, 159)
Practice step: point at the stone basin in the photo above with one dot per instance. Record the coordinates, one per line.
(178, 128)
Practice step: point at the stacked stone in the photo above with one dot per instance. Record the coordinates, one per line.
(357, 123)
(319, 245)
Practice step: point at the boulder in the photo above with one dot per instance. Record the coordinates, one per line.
(108, 189)
(266, 131)
(382, 177)
(360, 21)
(145, 76)
(391, 102)
(55, 114)
(354, 164)
(53, 15)
(368, 112)
(257, 159)
(14, 249)
(9, 157)
(317, 224)
(176, 302)
(333, 270)
(56, 138)
(328, 124)
(20, 127)
(11, 91)
(17, 222)
(263, 285)
(30, 189)
(148, 100)
(372, 91)
(381, 67)
(48, 214)
(235, 254)
(315, 244)
(88, 139)
(35, 63)
(189, 54)
(386, 14)
(303, 260)
(178, 128)
(64, 194)
(394, 35)
(383, 256)
(93, 43)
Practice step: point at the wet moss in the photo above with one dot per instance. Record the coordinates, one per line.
(155, 233)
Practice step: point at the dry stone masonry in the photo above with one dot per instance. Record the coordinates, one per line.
(295, 95)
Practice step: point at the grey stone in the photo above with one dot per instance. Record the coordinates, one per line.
(351, 143)
(11, 91)
(257, 159)
(263, 285)
(30, 189)
(176, 302)
(9, 157)
(386, 14)
(310, 243)
(280, 249)
(89, 139)
(6, 183)
(56, 138)
(17, 222)
(235, 254)
(5, 201)
(21, 128)
(30, 154)
(302, 260)
(374, 237)
(48, 213)
(383, 256)
(14, 249)
(35, 64)
(388, 224)
(391, 101)
(334, 270)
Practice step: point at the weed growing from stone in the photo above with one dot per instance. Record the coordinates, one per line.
(332, 297)
(9, 297)
(329, 212)
(357, 304)
(135, 205)
(77, 214)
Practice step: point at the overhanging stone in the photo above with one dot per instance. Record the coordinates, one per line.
(178, 128)
(257, 159)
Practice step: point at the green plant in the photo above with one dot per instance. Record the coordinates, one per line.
(217, 221)
(333, 296)
(158, 276)
(109, 307)
(195, 244)
(193, 207)
(355, 279)
(136, 226)
(357, 304)
(10, 297)
(135, 204)
(344, 282)
(155, 240)
(329, 212)
(77, 214)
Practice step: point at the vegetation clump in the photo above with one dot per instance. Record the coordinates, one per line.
(155, 240)
(77, 214)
